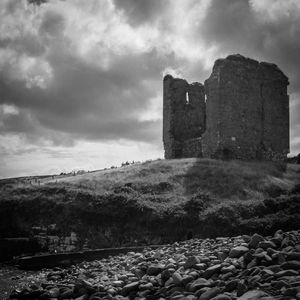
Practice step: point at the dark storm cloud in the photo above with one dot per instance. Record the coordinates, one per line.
(15, 123)
(25, 44)
(87, 102)
(24, 123)
(141, 11)
(38, 2)
(79, 87)
(83, 98)
(52, 24)
(230, 24)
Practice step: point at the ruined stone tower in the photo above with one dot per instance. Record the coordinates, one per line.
(184, 118)
(245, 115)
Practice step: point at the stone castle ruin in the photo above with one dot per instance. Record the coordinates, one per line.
(241, 112)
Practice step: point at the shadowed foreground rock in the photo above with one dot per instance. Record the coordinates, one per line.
(241, 268)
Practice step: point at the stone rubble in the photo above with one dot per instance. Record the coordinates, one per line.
(242, 268)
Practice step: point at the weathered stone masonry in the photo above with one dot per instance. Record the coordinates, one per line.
(184, 117)
(245, 114)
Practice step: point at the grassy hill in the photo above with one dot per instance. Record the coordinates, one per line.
(184, 177)
(157, 201)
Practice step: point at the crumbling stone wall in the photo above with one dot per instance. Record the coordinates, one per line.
(276, 121)
(192, 147)
(247, 110)
(245, 115)
(184, 117)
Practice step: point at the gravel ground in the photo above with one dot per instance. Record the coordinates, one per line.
(244, 267)
(12, 278)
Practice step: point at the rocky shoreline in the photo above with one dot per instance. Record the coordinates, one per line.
(243, 267)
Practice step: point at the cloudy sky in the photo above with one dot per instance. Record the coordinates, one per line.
(81, 81)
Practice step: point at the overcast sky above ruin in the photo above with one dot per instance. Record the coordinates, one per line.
(81, 81)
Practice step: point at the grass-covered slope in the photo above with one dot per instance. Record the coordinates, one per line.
(184, 177)
(157, 201)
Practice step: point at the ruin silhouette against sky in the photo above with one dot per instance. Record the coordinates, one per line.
(241, 112)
